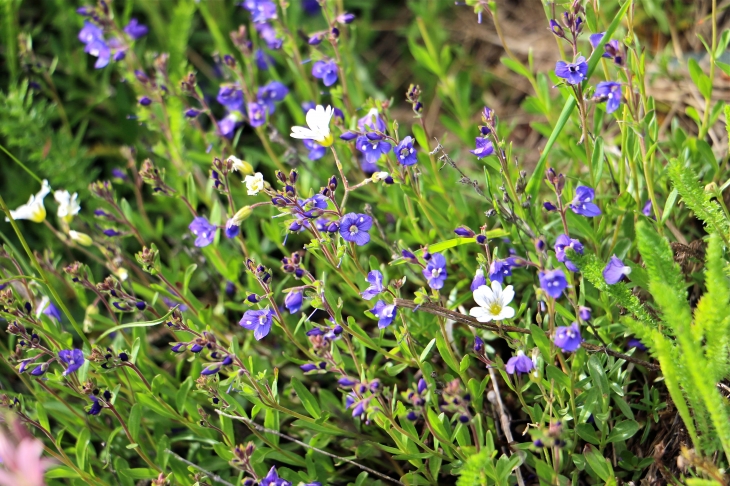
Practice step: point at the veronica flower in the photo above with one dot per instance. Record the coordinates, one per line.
(203, 230)
(256, 114)
(263, 60)
(316, 151)
(573, 73)
(499, 269)
(553, 282)
(261, 10)
(232, 229)
(268, 34)
(318, 121)
(563, 242)
(493, 303)
(385, 313)
(68, 206)
(584, 313)
(615, 271)
(326, 71)
(73, 358)
(375, 279)
(293, 301)
(33, 210)
(270, 93)
(405, 152)
(22, 458)
(647, 210)
(478, 280)
(371, 121)
(610, 92)
(227, 125)
(568, 339)
(372, 148)
(583, 202)
(254, 183)
(484, 148)
(635, 343)
(230, 96)
(135, 30)
(99, 49)
(96, 406)
(258, 321)
(519, 364)
(354, 227)
(435, 271)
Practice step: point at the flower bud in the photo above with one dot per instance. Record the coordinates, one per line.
(80, 238)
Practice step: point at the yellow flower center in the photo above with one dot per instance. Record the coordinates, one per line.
(328, 141)
(495, 308)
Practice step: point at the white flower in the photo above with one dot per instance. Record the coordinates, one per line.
(33, 209)
(254, 183)
(68, 206)
(239, 165)
(493, 303)
(80, 238)
(379, 176)
(318, 120)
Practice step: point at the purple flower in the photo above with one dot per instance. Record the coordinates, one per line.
(191, 113)
(499, 269)
(258, 321)
(263, 60)
(633, 343)
(135, 30)
(615, 271)
(371, 121)
(553, 282)
(375, 279)
(231, 97)
(256, 114)
(354, 227)
(232, 229)
(612, 48)
(563, 242)
(405, 152)
(519, 364)
(203, 230)
(73, 358)
(484, 148)
(293, 301)
(368, 167)
(271, 92)
(583, 202)
(89, 32)
(95, 406)
(227, 125)
(647, 210)
(326, 71)
(39, 370)
(478, 345)
(573, 73)
(316, 151)
(584, 313)
(261, 10)
(385, 313)
(478, 280)
(52, 312)
(610, 92)
(100, 50)
(595, 39)
(272, 478)
(464, 231)
(568, 338)
(372, 149)
(311, 7)
(435, 272)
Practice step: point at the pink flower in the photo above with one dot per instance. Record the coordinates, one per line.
(21, 456)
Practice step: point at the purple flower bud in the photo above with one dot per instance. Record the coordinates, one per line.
(481, 239)
(584, 313)
(315, 39)
(192, 113)
(549, 206)
(196, 348)
(478, 345)
(633, 343)
(140, 305)
(346, 18)
(308, 367)
(39, 370)
(412, 416)
(145, 101)
(293, 301)
(228, 360)
(479, 280)
(464, 231)
(422, 386)
(178, 347)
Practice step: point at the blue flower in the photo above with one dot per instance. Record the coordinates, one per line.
(311, 7)
(231, 97)
(573, 73)
(584, 313)
(595, 39)
(268, 34)
(258, 321)
(583, 202)
(484, 148)
(227, 126)
(354, 227)
(232, 229)
(635, 343)
(271, 92)
(89, 32)
(405, 152)
(615, 271)
(203, 230)
(478, 280)
(372, 149)
(96, 407)
(293, 301)
(273, 479)
(610, 92)
(261, 10)
(316, 151)
(99, 49)
(371, 121)
(326, 71)
(263, 60)
(256, 114)
(563, 242)
(568, 339)
(375, 279)
(499, 269)
(135, 30)
(647, 210)
(553, 282)
(73, 358)
(435, 272)
(385, 313)
(519, 364)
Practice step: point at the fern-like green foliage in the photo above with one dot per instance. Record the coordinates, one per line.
(685, 181)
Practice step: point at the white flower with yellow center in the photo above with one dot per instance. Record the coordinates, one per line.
(254, 183)
(33, 210)
(68, 206)
(493, 303)
(318, 120)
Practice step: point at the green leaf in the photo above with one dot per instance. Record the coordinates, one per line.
(134, 420)
(454, 242)
(699, 78)
(517, 67)
(588, 433)
(598, 375)
(444, 349)
(600, 465)
(82, 447)
(308, 400)
(623, 431)
(134, 324)
(427, 350)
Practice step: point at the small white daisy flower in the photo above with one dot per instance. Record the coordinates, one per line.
(254, 183)
(68, 205)
(493, 303)
(318, 120)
